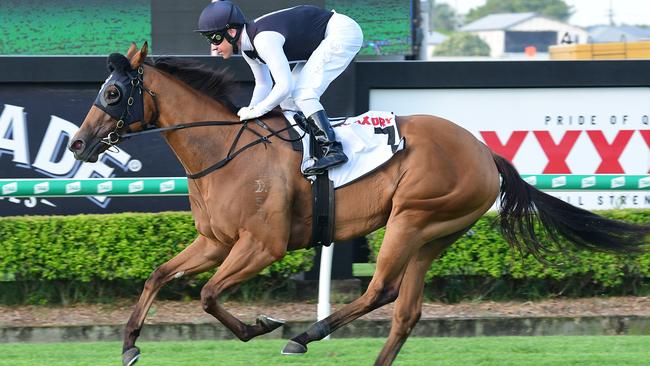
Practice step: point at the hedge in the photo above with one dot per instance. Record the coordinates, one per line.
(106, 248)
(105, 253)
(483, 252)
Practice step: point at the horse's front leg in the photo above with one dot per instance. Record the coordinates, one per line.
(247, 258)
(198, 257)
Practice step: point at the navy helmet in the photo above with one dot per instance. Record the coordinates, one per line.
(217, 18)
(220, 16)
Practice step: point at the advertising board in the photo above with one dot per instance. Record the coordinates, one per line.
(36, 123)
(561, 131)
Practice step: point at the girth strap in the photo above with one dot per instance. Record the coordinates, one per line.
(322, 191)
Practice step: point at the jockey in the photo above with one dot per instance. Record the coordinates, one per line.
(322, 43)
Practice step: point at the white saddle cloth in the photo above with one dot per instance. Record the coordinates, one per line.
(369, 140)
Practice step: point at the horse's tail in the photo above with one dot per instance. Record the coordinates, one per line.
(522, 205)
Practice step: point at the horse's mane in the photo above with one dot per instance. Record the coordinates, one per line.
(218, 84)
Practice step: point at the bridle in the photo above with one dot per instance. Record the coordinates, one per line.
(128, 107)
(137, 83)
(133, 112)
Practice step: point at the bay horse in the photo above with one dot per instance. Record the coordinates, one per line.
(251, 209)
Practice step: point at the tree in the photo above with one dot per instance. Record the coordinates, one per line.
(462, 44)
(556, 9)
(442, 18)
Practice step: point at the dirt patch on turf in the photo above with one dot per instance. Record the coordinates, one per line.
(191, 311)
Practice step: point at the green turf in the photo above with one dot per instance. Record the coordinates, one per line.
(502, 351)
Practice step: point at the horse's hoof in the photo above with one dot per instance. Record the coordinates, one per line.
(269, 323)
(130, 356)
(294, 348)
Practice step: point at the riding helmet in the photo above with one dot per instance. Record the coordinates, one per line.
(220, 15)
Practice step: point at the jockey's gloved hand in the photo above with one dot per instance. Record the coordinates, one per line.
(249, 113)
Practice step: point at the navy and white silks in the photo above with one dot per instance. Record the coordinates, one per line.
(321, 43)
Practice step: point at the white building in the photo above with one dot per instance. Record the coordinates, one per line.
(508, 35)
(434, 40)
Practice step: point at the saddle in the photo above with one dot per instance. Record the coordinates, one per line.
(369, 140)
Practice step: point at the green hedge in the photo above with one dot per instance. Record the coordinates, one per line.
(106, 248)
(71, 258)
(484, 254)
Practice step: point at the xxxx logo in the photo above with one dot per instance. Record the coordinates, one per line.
(558, 151)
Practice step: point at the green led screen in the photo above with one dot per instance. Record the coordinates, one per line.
(386, 24)
(100, 27)
(72, 27)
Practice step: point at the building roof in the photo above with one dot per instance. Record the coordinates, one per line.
(626, 33)
(501, 21)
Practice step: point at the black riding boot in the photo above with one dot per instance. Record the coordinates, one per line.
(333, 154)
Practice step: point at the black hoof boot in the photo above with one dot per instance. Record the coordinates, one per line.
(130, 356)
(268, 323)
(294, 348)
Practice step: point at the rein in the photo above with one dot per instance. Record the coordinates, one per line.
(137, 84)
(232, 152)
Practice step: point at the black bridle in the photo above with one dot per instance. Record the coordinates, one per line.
(133, 112)
(135, 99)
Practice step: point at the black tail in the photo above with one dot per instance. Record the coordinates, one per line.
(522, 206)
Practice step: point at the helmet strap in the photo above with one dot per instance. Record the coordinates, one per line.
(233, 40)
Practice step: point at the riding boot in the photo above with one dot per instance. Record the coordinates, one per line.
(333, 154)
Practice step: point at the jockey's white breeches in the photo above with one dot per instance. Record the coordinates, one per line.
(343, 39)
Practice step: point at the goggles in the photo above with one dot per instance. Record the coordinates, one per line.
(215, 37)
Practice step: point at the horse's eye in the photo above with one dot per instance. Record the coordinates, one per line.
(112, 95)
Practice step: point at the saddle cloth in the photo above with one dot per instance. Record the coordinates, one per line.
(369, 140)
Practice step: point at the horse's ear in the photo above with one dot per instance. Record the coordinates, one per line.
(138, 59)
(117, 62)
(132, 49)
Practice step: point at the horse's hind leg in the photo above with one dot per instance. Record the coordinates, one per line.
(408, 306)
(198, 257)
(247, 258)
(401, 242)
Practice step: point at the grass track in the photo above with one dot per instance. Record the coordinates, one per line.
(502, 351)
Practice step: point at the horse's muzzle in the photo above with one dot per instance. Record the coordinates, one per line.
(77, 145)
(78, 148)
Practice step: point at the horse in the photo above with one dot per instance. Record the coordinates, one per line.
(251, 204)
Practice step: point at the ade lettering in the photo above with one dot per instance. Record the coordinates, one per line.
(53, 159)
